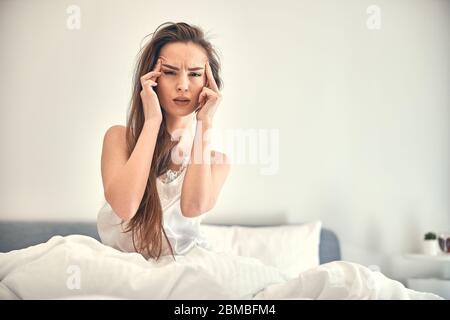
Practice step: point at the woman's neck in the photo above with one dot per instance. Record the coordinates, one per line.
(176, 125)
(181, 129)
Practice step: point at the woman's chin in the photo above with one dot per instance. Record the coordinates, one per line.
(181, 111)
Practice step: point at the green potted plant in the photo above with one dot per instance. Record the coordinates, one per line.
(430, 244)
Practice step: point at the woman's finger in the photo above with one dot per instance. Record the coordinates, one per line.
(149, 82)
(206, 95)
(209, 93)
(157, 69)
(154, 74)
(210, 78)
(202, 98)
(150, 74)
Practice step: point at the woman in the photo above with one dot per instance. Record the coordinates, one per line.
(157, 187)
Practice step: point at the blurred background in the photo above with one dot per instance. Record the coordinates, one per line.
(357, 91)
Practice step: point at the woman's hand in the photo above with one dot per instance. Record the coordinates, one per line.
(209, 98)
(150, 101)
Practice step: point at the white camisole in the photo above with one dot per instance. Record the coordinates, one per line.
(183, 233)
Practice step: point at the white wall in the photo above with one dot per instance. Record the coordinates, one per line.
(363, 115)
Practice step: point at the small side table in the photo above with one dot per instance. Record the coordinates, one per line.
(440, 285)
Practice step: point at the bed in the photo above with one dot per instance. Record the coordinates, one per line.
(66, 260)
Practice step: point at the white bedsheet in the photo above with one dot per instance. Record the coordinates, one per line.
(80, 266)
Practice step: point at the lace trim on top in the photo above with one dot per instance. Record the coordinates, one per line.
(171, 175)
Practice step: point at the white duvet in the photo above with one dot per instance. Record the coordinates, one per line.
(81, 267)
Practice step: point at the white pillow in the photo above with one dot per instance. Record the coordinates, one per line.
(291, 248)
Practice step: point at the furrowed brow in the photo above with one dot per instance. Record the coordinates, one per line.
(175, 68)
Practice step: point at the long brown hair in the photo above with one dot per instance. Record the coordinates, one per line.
(147, 224)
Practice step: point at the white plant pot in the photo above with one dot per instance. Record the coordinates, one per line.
(430, 247)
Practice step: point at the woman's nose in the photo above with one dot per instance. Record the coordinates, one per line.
(182, 83)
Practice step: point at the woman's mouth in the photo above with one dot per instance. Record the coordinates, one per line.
(181, 102)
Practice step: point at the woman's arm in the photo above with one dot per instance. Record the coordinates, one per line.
(207, 170)
(204, 177)
(124, 180)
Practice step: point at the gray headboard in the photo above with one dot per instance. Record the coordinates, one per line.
(20, 234)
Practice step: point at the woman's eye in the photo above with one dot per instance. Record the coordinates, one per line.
(192, 74)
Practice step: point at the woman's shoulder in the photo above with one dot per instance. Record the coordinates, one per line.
(114, 150)
(116, 129)
(115, 134)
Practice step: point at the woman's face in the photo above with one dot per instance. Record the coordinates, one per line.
(183, 74)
